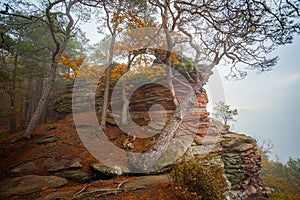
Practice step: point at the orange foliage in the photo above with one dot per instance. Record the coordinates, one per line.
(130, 20)
(282, 178)
(117, 72)
(73, 64)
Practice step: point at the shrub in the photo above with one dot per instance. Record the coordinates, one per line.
(199, 182)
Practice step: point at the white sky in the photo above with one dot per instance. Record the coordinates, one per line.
(268, 103)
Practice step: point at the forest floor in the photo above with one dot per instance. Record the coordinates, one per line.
(56, 146)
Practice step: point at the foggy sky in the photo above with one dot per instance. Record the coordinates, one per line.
(269, 103)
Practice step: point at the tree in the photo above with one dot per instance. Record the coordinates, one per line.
(57, 17)
(283, 179)
(116, 12)
(17, 42)
(238, 34)
(223, 111)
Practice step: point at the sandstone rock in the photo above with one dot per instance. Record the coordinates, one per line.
(53, 165)
(231, 140)
(47, 139)
(175, 150)
(75, 175)
(242, 147)
(29, 184)
(250, 190)
(29, 167)
(237, 153)
(106, 170)
(240, 158)
(209, 140)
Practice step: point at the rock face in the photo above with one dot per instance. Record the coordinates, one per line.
(242, 164)
(29, 184)
(237, 154)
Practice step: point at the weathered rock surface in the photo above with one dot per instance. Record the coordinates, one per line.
(47, 139)
(29, 167)
(104, 170)
(29, 184)
(238, 155)
(75, 175)
(54, 165)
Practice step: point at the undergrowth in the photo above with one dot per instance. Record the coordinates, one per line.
(199, 182)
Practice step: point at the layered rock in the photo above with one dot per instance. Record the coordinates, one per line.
(237, 154)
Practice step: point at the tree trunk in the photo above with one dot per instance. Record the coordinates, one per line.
(13, 124)
(26, 106)
(40, 85)
(22, 108)
(168, 58)
(125, 106)
(34, 121)
(107, 81)
(31, 99)
(60, 46)
(44, 114)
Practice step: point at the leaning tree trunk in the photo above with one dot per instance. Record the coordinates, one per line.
(149, 161)
(35, 119)
(59, 48)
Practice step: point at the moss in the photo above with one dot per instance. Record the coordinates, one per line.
(213, 156)
(226, 127)
(56, 137)
(111, 121)
(51, 127)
